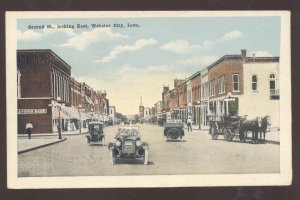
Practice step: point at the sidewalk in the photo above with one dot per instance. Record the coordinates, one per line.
(42, 140)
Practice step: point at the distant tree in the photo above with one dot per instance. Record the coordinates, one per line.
(121, 116)
(136, 118)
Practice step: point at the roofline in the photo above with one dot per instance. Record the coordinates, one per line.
(45, 50)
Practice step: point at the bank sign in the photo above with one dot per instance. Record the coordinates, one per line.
(31, 111)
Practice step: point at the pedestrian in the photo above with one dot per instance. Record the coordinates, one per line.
(29, 128)
(189, 124)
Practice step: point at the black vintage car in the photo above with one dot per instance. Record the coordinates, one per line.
(128, 145)
(95, 134)
(174, 130)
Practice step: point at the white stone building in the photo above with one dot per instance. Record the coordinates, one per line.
(261, 91)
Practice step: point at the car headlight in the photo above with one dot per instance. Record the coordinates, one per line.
(118, 143)
(138, 143)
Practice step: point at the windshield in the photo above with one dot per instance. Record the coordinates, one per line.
(128, 131)
(95, 127)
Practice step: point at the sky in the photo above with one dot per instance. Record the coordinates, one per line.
(136, 61)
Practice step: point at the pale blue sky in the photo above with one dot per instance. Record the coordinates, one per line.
(133, 62)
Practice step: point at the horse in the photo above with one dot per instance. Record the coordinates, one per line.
(250, 125)
(265, 122)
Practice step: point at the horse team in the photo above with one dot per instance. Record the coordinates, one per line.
(257, 125)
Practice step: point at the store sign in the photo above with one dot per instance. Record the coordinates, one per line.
(31, 111)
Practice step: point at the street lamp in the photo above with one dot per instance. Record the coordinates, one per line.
(59, 105)
(79, 110)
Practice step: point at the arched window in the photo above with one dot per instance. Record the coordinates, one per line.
(272, 79)
(254, 83)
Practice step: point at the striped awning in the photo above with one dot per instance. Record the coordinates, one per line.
(71, 112)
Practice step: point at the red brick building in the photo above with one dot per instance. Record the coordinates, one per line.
(226, 78)
(43, 77)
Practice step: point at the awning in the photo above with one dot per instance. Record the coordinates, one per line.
(71, 112)
(89, 100)
(85, 116)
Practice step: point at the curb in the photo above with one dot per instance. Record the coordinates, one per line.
(41, 146)
(41, 134)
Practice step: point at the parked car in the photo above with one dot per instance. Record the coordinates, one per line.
(128, 145)
(95, 133)
(174, 130)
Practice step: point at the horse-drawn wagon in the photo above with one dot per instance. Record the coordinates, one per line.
(238, 126)
(228, 126)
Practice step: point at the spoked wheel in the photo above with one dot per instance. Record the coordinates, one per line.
(214, 133)
(146, 157)
(112, 158)
(228, 135)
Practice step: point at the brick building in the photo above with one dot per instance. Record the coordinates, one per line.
(219, 89)
(226, 77)
(43, 79)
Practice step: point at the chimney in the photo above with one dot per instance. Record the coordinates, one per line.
(244, 53)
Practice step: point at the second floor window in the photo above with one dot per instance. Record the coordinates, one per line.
(235, 82)
(254, 82)
(272, 83)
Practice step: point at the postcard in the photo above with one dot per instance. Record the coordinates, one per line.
(148, 99)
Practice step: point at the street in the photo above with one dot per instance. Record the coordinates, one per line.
(198, 154)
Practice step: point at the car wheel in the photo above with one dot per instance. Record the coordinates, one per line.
(146, 157)
(112, 159)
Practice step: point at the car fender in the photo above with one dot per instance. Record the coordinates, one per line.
(145, 145)
(111, 146)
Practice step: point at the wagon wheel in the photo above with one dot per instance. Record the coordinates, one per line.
(214, 132)
(228, 136)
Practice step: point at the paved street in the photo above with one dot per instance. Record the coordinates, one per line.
(197, 155)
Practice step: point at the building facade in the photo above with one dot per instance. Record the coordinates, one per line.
(229, 86)
(47, 95)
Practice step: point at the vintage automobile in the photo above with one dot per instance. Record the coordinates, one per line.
(174, 130)
(128, 145)
(95, 133)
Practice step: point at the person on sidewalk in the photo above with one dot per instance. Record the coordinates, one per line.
(189, 124)
(29, 128)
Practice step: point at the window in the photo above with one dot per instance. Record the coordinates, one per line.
(235, 82)
(272, 83)
(254, 82)
(221, 81)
